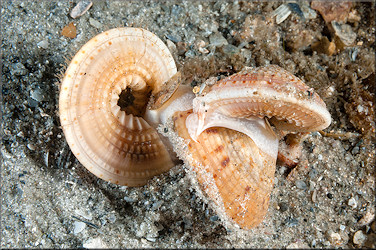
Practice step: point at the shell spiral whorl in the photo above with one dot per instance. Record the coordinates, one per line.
(103, 98)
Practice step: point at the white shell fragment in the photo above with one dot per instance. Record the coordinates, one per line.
(281, 13)
(78, 227)
(81, 8)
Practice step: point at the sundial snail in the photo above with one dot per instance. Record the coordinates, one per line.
(124, 82)
(103, 100)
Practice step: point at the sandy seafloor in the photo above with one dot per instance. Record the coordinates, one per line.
(326, 201)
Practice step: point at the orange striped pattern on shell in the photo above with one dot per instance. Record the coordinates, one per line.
(231, 170)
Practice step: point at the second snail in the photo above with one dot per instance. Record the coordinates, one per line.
(123, 84)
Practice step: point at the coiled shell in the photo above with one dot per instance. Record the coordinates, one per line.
(103, 98)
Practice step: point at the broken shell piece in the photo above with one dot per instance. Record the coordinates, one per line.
(103, 98)
(231, 169)
(281, 13)
(81, 8)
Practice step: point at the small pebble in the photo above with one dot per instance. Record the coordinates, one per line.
(151, 239)
(342, 227)
(157, 205)
(230, 49)
(300, 184)
(111, 218)
(355, 150)
(181, 48)
(326, 243)
(360, 108)
(334, 237)
(344, 33)
(359, 238)
(174, 39)
(19, 191)
(81, 8)
(314, 196)
(141, 232)
(79, 226)
(214, 218)
(290, 222)
(352, 202)
(37, 94)
(283, 207)
(366, 219)
(95, 23)
(313, 244)
(31, 146)
(94, 243)
(129, 199)
(176, 10)
(307, 11)
(18, 69)
(294, 7)
(46, 158)
(353, 54)
(203, 50)
(217, 40)
(190, 53)
(319, 157)
(43, 44)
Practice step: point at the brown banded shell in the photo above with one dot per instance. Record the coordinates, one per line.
(103, 98)
(236, 170)
(232, 171)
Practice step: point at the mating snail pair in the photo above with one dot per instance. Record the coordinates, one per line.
(124, 82)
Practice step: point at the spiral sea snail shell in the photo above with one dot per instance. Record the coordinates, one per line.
(103, 98)
(233, 149)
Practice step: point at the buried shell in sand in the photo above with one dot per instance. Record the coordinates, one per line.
(123, 84)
